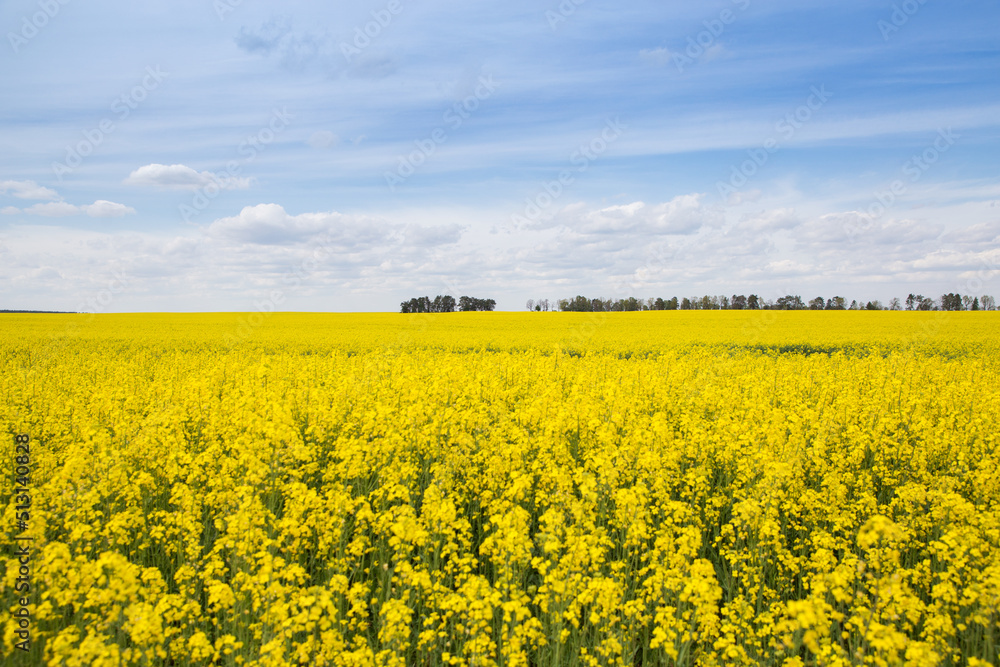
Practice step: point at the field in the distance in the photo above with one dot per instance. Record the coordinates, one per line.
(506, 489)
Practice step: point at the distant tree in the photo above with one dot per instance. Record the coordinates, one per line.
(443, 304)
(790, 302)
(631, 304)
(951, 301)
(580, 304)
(424, 304)
(531, 304)
(469, 304)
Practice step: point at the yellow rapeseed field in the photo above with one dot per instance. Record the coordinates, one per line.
(691, 488)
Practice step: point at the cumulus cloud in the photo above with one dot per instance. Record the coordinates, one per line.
(101, 208)
(270, 224)
(682, 246)
(28, 190)
(58, 209)
(681, 215)
(422, 236)
(182, 177)
(770, 220)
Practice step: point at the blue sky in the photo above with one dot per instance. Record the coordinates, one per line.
(201, 156)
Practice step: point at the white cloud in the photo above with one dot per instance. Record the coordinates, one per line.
(270, 224)
(9, 210)
(182, 177)
(58, 209)
(684, 214)
(680, 247)
(421, 236)
(770, 220)
(101, 208)
(28, 190)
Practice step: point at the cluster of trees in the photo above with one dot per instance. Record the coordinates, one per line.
(445, 304)
(582, 304)
(542, 305)
(961, 302)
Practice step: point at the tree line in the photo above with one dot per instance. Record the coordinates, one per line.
(446, 304)
(951, 301)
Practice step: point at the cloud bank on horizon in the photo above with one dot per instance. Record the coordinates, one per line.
(352, 155)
